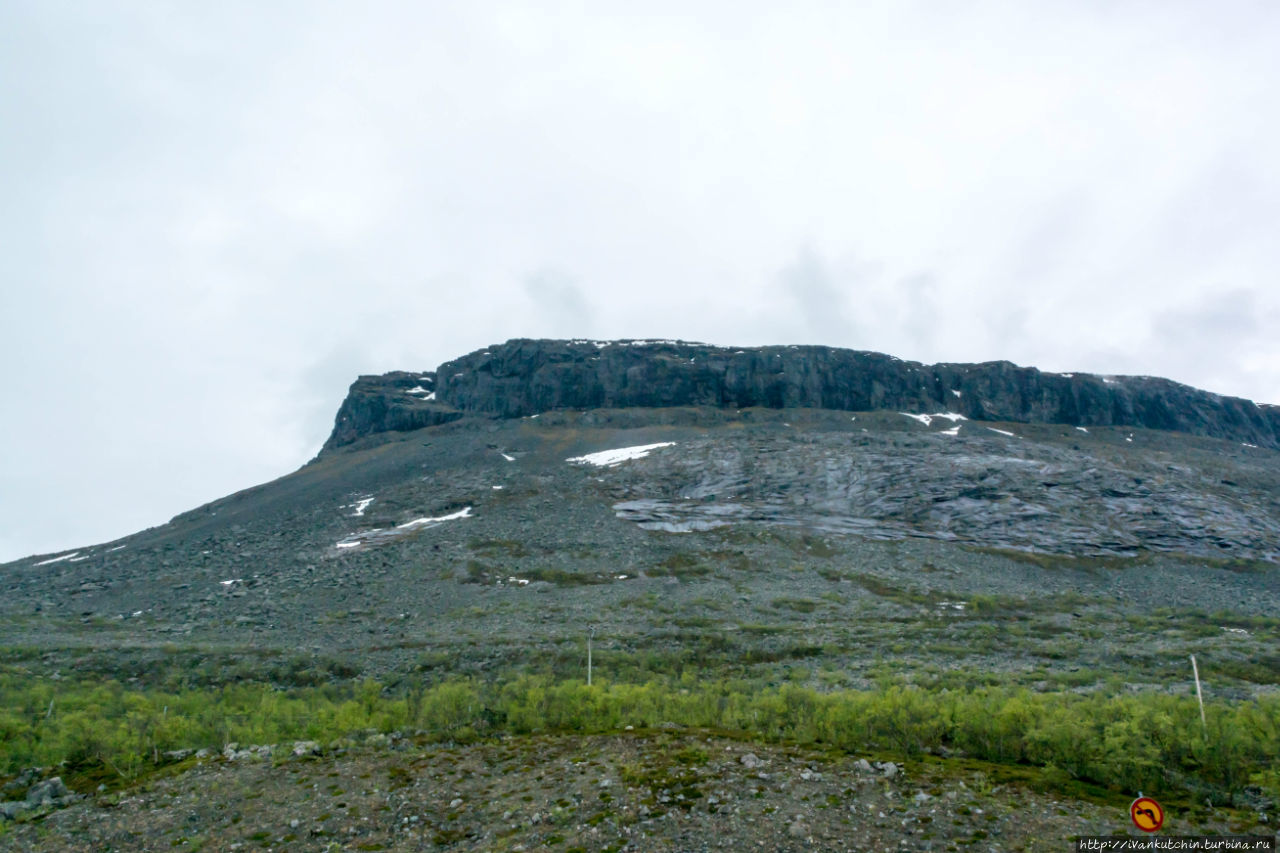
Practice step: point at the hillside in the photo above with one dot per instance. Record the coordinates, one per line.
(835, 531)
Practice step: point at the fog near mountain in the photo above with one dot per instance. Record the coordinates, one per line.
(215, 220)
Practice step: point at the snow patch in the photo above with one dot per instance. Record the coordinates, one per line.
(1082, 429)
(361, 505)
(955, 430)
(1247, 444)
(1067, 375)
(418, 389)
(231, 581)
(117, 548)
(928, 419)
(621, 454)
(371, 537)
(1002, 432)
(509, 458)
(496, 488)
(58, 559)
(418, 522)
(956, 393)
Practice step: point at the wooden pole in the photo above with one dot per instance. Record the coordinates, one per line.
(1195, 670)
(589, 636)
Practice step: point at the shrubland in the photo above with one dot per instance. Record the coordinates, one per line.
(1113, 738)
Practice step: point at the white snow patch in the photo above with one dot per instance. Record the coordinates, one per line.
(1108, 380)
(621, 454)
(520, 581)
(928, 419)
(620, 577)
(1002, 432)
(1082, 429)
(418, 522)
(1128, 438)
(508, 458)
(1067, 375)
(347, 545)
(361, 505)
(117, 548)
(1235, 630)
(420, 390)
(1247, 444)
(496, 488)
(853, 418)
(58, 559)
(80, 559)
(230, 582)
(956, 393)
(955, 430)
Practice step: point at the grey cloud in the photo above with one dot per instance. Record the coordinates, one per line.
(820, 299)
(560, 306)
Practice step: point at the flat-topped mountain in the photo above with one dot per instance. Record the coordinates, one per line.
(924, 551)
(528, 377)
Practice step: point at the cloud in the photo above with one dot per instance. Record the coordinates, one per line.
(560, 307)
(821, 302)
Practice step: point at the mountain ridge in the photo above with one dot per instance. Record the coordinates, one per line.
(525, 377)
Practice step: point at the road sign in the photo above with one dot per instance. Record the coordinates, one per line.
(1147, 814)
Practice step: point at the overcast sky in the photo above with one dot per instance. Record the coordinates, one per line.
(215, 216)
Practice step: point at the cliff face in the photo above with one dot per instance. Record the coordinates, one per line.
(393, 402)
(525, 377)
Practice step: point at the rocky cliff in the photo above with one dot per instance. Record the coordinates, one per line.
(526, 377)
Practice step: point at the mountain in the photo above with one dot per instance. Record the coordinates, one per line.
(807, 516)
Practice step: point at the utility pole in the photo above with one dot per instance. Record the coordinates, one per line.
(590, 636)
(1195, 670)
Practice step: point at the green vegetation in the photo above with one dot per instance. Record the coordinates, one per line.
(1151, 741)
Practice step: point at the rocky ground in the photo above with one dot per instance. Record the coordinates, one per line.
(646, 791)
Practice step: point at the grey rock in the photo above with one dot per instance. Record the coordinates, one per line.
(383, 404)
(14, 809)
(48, 792)
(305, 747)
(527, 377)
(751, 761)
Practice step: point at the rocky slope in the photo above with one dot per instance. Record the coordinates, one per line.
(770, 516)
(526, 377)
